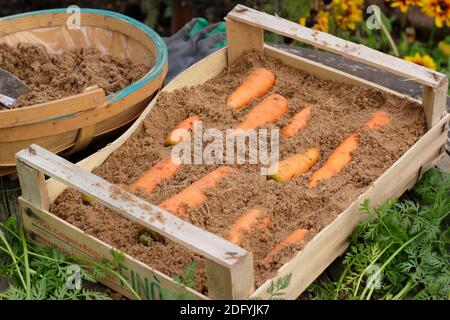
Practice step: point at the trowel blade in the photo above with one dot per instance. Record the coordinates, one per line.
(10, 85)
(6, 101)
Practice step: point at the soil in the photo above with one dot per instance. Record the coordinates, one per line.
(55, 76)
(339, 110)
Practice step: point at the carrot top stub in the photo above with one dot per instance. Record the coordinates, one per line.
(255, 85)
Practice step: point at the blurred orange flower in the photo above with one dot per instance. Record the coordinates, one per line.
(404, 5)
(439, 10)
(321, 23)
(424, 60)
(347, 13)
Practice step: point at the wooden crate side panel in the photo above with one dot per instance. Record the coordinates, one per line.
(326, 72)
(333, 239)
(328, 42)
(45, 229)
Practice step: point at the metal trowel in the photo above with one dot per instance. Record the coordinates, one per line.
(11, 88)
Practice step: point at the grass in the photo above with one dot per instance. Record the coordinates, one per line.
(36, 273)
(402, 252)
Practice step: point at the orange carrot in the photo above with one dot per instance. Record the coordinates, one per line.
(337, 160)
(293, 238)
(164, 169)
(251, 220)
(267, 111)
(342, 155)
(297, 123)
(194, 195)
(255, 85)
(294, 165)
(182, 131)
(378, 119)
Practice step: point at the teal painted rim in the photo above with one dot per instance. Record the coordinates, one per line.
(161, 49)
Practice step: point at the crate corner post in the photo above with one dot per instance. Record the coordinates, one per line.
(434, 101)
(233, 283)
(32, 181)
(241, 37)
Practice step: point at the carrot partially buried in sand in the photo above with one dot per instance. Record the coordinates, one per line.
(182, 131)
(251, 220)
(255, 85)
(164, 169)
(267, 111)
(379, 119)
(194, 195)
(342, 155)
(294, 165)
(293, 238)
(297, 123)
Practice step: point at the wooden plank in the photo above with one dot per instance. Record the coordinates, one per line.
(326, 72)
(84, 138)
(434, 102)
(9, 191)
(242, 37)
(32, 183)
(4, 203)
(53, 109)
(44, 228)
(328, 42)
(199, 72)
(224, 283)
(444, 163)
(199, 241)
(56, 143)
(332, 241)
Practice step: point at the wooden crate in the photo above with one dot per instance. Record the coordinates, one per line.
(71, 123)
(229, 267)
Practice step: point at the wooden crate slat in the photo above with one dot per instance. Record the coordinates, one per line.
(337, 45)
(34, 188)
